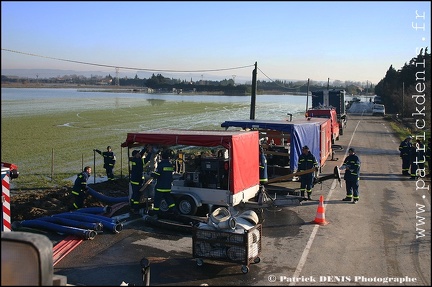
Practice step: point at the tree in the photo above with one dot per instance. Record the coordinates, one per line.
(397, 87)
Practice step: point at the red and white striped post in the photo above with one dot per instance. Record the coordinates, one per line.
(6, 215)
(8, 172)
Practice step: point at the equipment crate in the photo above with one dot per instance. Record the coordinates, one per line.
(239, 246)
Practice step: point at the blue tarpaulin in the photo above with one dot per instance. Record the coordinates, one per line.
(302, 132)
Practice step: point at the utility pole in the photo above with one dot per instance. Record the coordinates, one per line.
(254, 88)
(307, 96)
(117, 82)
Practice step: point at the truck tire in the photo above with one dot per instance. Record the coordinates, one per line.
(163, 206)
(187, 206)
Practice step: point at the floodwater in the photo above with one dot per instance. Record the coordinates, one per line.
(31, 101)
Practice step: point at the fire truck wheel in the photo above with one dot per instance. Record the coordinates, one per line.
(187, 206)
(163, 206)
(244, 269)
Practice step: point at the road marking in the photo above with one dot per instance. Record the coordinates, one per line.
(352, 137)
(304, 255)
(308, 246)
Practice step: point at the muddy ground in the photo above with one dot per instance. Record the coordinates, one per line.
(32, 204)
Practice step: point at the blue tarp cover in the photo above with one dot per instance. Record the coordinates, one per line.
(302, 132)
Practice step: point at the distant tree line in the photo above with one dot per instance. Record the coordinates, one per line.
(399, 88)
(159, 83)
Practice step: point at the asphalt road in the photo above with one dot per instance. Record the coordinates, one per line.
(385, 239)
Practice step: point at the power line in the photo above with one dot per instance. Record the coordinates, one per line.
(127, 68)
(278, 84)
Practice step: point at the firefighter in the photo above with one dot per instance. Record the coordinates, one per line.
(164, 177)
(109, 162)
(404, 153)
(306, 161)
(263, 176)
(180, 162)
(136, 178)
(351, 165)
(79, 189)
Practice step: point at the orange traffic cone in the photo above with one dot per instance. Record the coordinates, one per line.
(320, 215)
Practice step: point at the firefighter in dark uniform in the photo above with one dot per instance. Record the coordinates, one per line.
(164, 177)
(109, 162)
(136, 178)
(351, 165)
(306, 161)
(405, 154)
(263, 175)
(79, 189)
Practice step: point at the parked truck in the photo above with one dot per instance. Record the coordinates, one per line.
(327, 113)
(327, 100)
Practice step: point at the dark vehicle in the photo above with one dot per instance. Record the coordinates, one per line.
(378, 110)
(332, 99)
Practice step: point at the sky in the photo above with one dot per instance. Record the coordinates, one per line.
(345, 41)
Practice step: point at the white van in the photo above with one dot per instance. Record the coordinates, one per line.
(378, 110)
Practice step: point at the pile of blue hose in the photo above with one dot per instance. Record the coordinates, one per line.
(84, 222)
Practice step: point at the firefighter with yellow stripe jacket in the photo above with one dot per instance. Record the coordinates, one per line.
(306, 161)
(79, 189)
(164, 177)
(136, 178)
(351, 165)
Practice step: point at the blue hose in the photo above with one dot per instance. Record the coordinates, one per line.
(89, 217)
(36, 223)
(95, 209)
(97, 226)
(99, 217)
(107, 199)
(107, 224)
(77, 216)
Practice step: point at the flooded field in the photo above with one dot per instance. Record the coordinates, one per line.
(23, 102)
